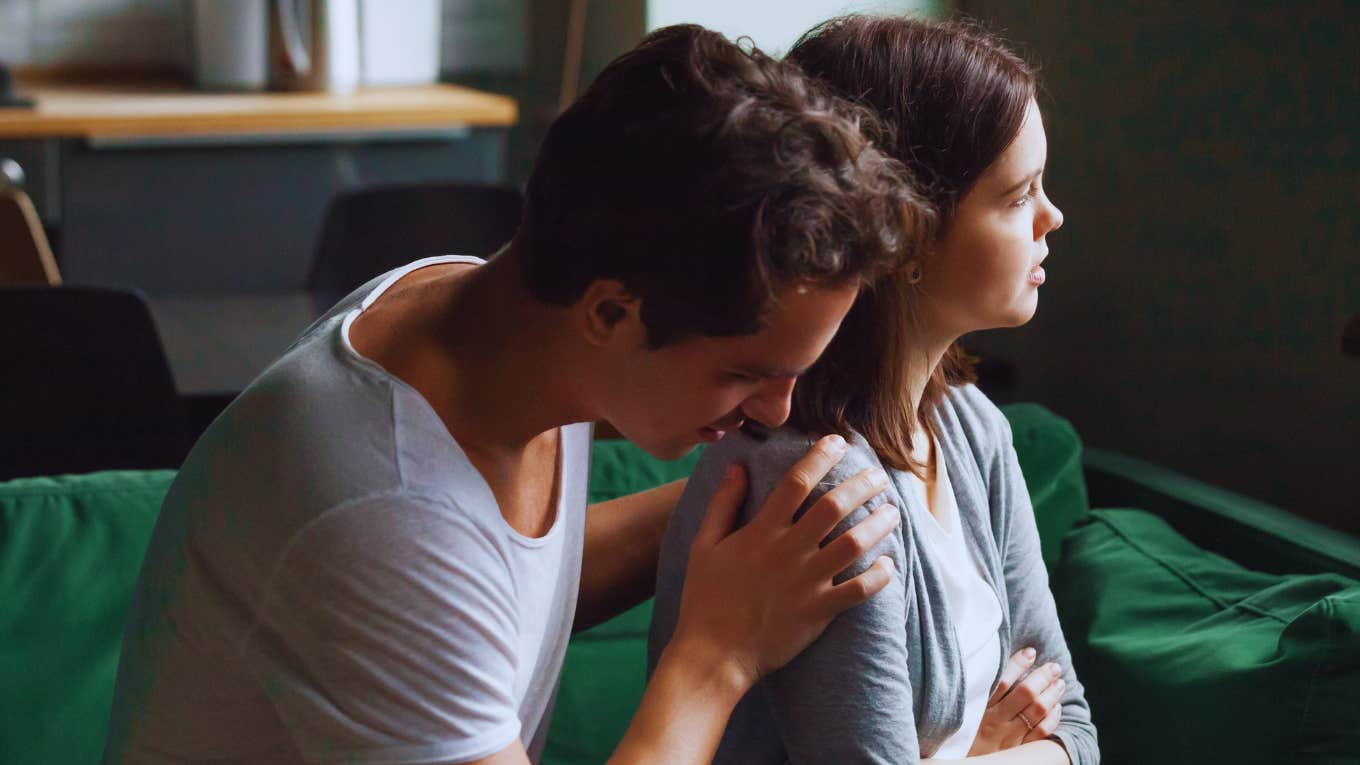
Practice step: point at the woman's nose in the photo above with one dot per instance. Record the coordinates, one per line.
(1053, 219)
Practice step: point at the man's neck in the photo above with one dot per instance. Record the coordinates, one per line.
(502, 371)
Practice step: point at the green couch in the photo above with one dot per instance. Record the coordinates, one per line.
(1207, 627)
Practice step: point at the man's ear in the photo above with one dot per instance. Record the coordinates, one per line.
(608, 311)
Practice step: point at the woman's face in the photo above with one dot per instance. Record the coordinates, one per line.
(985, 271)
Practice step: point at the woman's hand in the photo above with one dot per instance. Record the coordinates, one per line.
(756, 597)
(1018, 714)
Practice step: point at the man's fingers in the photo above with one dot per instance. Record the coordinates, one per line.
(1019, 662)
(796, 484)
(842, 500)
(856, 590)
(857, 540)
(721, 515)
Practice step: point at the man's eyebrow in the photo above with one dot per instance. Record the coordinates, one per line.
(1027, 180)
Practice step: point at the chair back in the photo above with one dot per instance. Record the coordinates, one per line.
(25, 256)
(370, 231)
(86, 384)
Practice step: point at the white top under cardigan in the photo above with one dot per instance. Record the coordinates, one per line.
(973, 607)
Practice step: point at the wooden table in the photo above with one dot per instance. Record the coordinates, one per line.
(217, 344)
(161, 105)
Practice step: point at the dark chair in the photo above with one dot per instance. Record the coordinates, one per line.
(86, 384)
(369, 231)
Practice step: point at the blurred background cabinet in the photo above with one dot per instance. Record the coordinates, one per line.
(172, 206)
(226, 215)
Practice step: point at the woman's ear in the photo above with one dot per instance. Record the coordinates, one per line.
(609, 312)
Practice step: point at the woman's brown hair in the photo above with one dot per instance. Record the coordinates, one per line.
(951, 98)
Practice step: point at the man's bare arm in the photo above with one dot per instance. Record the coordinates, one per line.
(623, 540)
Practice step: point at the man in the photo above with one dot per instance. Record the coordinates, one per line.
(376, 553)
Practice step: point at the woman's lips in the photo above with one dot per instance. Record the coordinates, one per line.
(1037, 275)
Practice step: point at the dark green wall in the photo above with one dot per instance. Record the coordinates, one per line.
(1206, 156)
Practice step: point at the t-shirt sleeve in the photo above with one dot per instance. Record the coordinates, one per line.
(387, 633)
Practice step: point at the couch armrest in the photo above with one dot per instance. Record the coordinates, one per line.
(1252, 533)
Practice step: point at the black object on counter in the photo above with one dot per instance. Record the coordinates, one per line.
(8, 98)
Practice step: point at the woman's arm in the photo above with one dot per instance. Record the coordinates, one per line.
(753, 598)
(1034, 615)
(847, 698)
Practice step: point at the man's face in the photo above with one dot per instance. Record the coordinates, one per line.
(692, 391)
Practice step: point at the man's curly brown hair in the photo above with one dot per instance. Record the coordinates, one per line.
(706, 176)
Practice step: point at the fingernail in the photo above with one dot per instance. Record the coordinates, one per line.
(1054, 669)
(1029, 654)
(891, 563)
(879, 477)
(835, 442)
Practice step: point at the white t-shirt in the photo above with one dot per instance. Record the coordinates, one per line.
(972, 604)
(331, 580)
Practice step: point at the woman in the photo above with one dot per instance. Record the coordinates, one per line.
(921, 670)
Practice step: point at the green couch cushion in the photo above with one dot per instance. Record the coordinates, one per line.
(70, 550)
(1188, 657)
(1049, 451)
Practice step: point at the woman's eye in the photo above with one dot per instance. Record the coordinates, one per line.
(1026, 198)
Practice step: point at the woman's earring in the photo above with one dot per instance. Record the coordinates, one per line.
(914, 275)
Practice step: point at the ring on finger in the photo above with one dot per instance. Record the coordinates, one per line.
(1025, 720)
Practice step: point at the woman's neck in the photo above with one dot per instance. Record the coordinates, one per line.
(925, 351)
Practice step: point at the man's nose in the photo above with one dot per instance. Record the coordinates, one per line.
(770, 407)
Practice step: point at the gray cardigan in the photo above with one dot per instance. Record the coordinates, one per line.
(884, 683)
